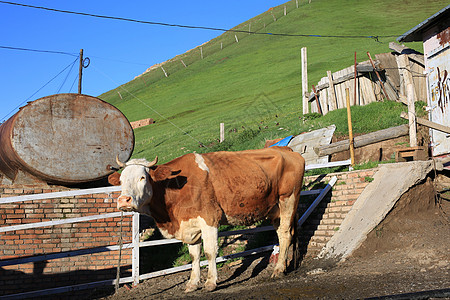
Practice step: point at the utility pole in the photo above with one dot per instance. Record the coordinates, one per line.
(80, 71)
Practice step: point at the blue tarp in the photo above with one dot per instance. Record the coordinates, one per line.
(283, 142)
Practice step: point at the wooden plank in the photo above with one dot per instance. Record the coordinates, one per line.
(411, 115)
(339, 77)
(405, 72)
(323, 97)
(107, 190)
(332, 93)
(304, 80)
(363, 140)
(60, 222)
(429, 124)
(412, 54)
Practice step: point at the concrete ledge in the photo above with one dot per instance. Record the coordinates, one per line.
(378, 198)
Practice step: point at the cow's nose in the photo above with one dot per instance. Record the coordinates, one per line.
(124, 202)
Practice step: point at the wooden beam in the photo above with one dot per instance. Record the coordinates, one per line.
(333, 100)
(360, 68)
(412, 54)
(427, 123)
(304, 80)
(363, 140)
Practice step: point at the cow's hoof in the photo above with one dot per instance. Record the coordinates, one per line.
(210, 286)
(191, 288)
(277, 274)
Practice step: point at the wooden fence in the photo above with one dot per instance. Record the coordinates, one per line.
(135, 245)
(329, 93)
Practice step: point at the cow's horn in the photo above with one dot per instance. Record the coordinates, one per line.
(151, 164)
(121, 164)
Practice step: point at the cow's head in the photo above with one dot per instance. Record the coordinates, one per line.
(137, 181)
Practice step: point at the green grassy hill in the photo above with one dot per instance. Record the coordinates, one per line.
(254, 85)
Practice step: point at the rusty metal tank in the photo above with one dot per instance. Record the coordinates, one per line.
(65, 139)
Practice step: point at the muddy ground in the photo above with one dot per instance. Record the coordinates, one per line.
(407, 253)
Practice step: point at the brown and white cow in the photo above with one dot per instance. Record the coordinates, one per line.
(190, 196)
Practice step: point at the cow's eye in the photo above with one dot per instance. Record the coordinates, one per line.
(142, 178)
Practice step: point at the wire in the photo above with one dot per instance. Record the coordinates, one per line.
(375, 37)
(151, 108)
(41, 51)
(48, 82)
(65, 79)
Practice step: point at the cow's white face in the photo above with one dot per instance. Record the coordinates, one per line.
(137, 190)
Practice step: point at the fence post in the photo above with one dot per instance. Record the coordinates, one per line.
(135, 252)
(332, 93)
(305, 81)
(411, 115)
(165, 73)
(222, 132)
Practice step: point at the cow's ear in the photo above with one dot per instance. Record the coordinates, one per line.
(161, 173)
(114, 179)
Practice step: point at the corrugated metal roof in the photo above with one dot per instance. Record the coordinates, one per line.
(415, 34)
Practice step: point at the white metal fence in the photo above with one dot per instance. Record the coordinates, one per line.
(135, 245)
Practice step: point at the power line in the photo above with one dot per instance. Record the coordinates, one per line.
(375, 37)
(40, 51)
(151, 108)
(23, 102)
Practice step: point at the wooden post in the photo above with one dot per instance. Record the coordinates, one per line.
(80, 71)
(411, 115)
(135, 251)
(405, 74)
(222, 132)
(285, 11)
(120, 95)
(296, 3)
(319, 109)
(237, 40)
(201, 52)
(350, 128)
(356, 85)
(221, 45)
(305, 81)
(378, 75)
(333, 102)
(165, 73)
(183, 63)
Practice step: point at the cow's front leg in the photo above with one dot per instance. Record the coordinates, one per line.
(209, 234)
(194, 252)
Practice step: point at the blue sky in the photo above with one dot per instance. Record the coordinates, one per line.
(118, 51)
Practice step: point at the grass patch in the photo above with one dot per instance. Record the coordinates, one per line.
(258, 79)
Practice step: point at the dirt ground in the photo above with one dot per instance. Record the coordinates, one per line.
(407, 253)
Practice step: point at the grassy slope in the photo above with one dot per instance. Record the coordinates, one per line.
(256, 83)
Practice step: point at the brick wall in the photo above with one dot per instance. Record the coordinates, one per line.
(60, 238)
(328, 216)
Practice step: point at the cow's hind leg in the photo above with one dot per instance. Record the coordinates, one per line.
(194, 252)
(285, 230)
(209, 234)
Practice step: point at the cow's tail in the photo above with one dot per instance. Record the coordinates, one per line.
(295, 242)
